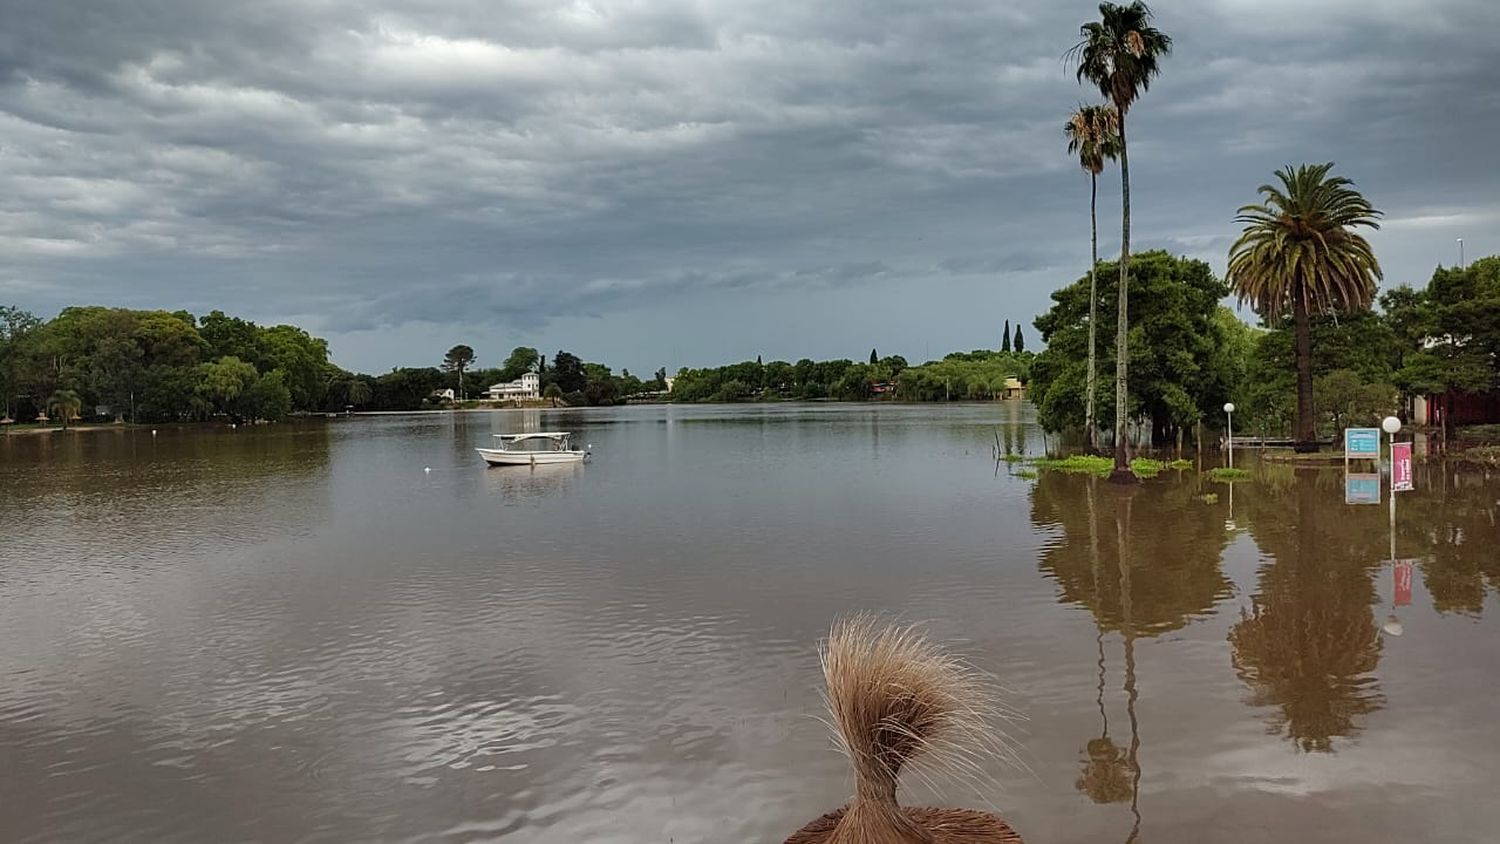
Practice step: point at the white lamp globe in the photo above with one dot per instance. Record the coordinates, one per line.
(1390, 425)
(1229, 407)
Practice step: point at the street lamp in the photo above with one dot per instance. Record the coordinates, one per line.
(1229, 411)
(1460, 253)
(1391, 425)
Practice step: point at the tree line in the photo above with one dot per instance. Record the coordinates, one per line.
(980, 374)
(171, 366)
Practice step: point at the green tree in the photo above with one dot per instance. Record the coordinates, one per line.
(599, 386)
(522, 359)
(458, 359)
(1020, 344)
(265, 397)
(229, 336)
(65, 404)
(1176, 325)
(223, 381)
(552, 393)
(302, 359)
(1005, 337)
(567, 372)
(780, 377)
(1448, 335)
(1299, 252)
(15, 325)
(1121, 54)
(874, 358)
(1094, 136)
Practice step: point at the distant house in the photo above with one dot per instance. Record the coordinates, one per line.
(528, 386)
(444, 395)
(1014, 389)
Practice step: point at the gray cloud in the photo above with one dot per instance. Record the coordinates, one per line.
(614, 177)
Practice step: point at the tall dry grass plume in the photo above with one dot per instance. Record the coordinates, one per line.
(900, 704)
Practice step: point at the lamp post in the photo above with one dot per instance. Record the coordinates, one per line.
(1460, 253)
(1391, 425)
(1229, 411)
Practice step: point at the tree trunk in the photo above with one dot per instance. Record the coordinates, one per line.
(1122, 473)
(1307, 426)
(1089, 425)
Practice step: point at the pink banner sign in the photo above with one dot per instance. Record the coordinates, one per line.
(1401, 467)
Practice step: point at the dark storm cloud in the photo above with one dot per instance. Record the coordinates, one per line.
(386, 164)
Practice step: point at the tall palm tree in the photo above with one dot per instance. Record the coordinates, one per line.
(1093, 135)
(1121, 53)
(66, 404)
(1299, 252)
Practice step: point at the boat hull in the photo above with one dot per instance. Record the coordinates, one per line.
(502, 457)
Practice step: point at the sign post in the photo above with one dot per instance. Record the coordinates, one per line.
(1361, 443)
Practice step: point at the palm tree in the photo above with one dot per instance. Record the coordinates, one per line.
(1094, 136)
(66, 404)
(1120, 53)
(1299, 252)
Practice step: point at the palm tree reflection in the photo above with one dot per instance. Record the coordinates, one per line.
(1308, 643)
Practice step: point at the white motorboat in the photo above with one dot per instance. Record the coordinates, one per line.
(533, 449)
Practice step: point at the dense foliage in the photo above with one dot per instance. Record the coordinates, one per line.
(158, 366)
(1186, 349)
(1191, 354)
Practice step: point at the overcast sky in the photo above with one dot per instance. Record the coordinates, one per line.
(689, 182)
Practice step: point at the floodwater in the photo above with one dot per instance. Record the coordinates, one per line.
(296, 633)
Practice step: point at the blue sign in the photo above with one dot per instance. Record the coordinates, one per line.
(1362, 442)
(1362, 488)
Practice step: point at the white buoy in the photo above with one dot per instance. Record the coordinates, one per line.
(153, 432)
(427, 469)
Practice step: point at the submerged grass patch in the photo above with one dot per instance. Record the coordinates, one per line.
(1145, 467)
(1180, 464)
(1209, 498)
(1087, 464)
(1028, 474)
(1093, 464)
(1014, 458)
(1224, 473)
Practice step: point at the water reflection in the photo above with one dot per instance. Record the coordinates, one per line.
(1112, 774)
(1176, 547)
(1458, 530)
(521, 483)
(1308, 644)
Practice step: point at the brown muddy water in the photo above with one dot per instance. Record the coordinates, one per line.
(295, 633)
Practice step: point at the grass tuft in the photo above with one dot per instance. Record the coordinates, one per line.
(1145, 467)
(1028, 474)
(1223, 473)
(1180, 464)
(1086, 464)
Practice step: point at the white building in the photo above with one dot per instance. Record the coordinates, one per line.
(528, 386)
